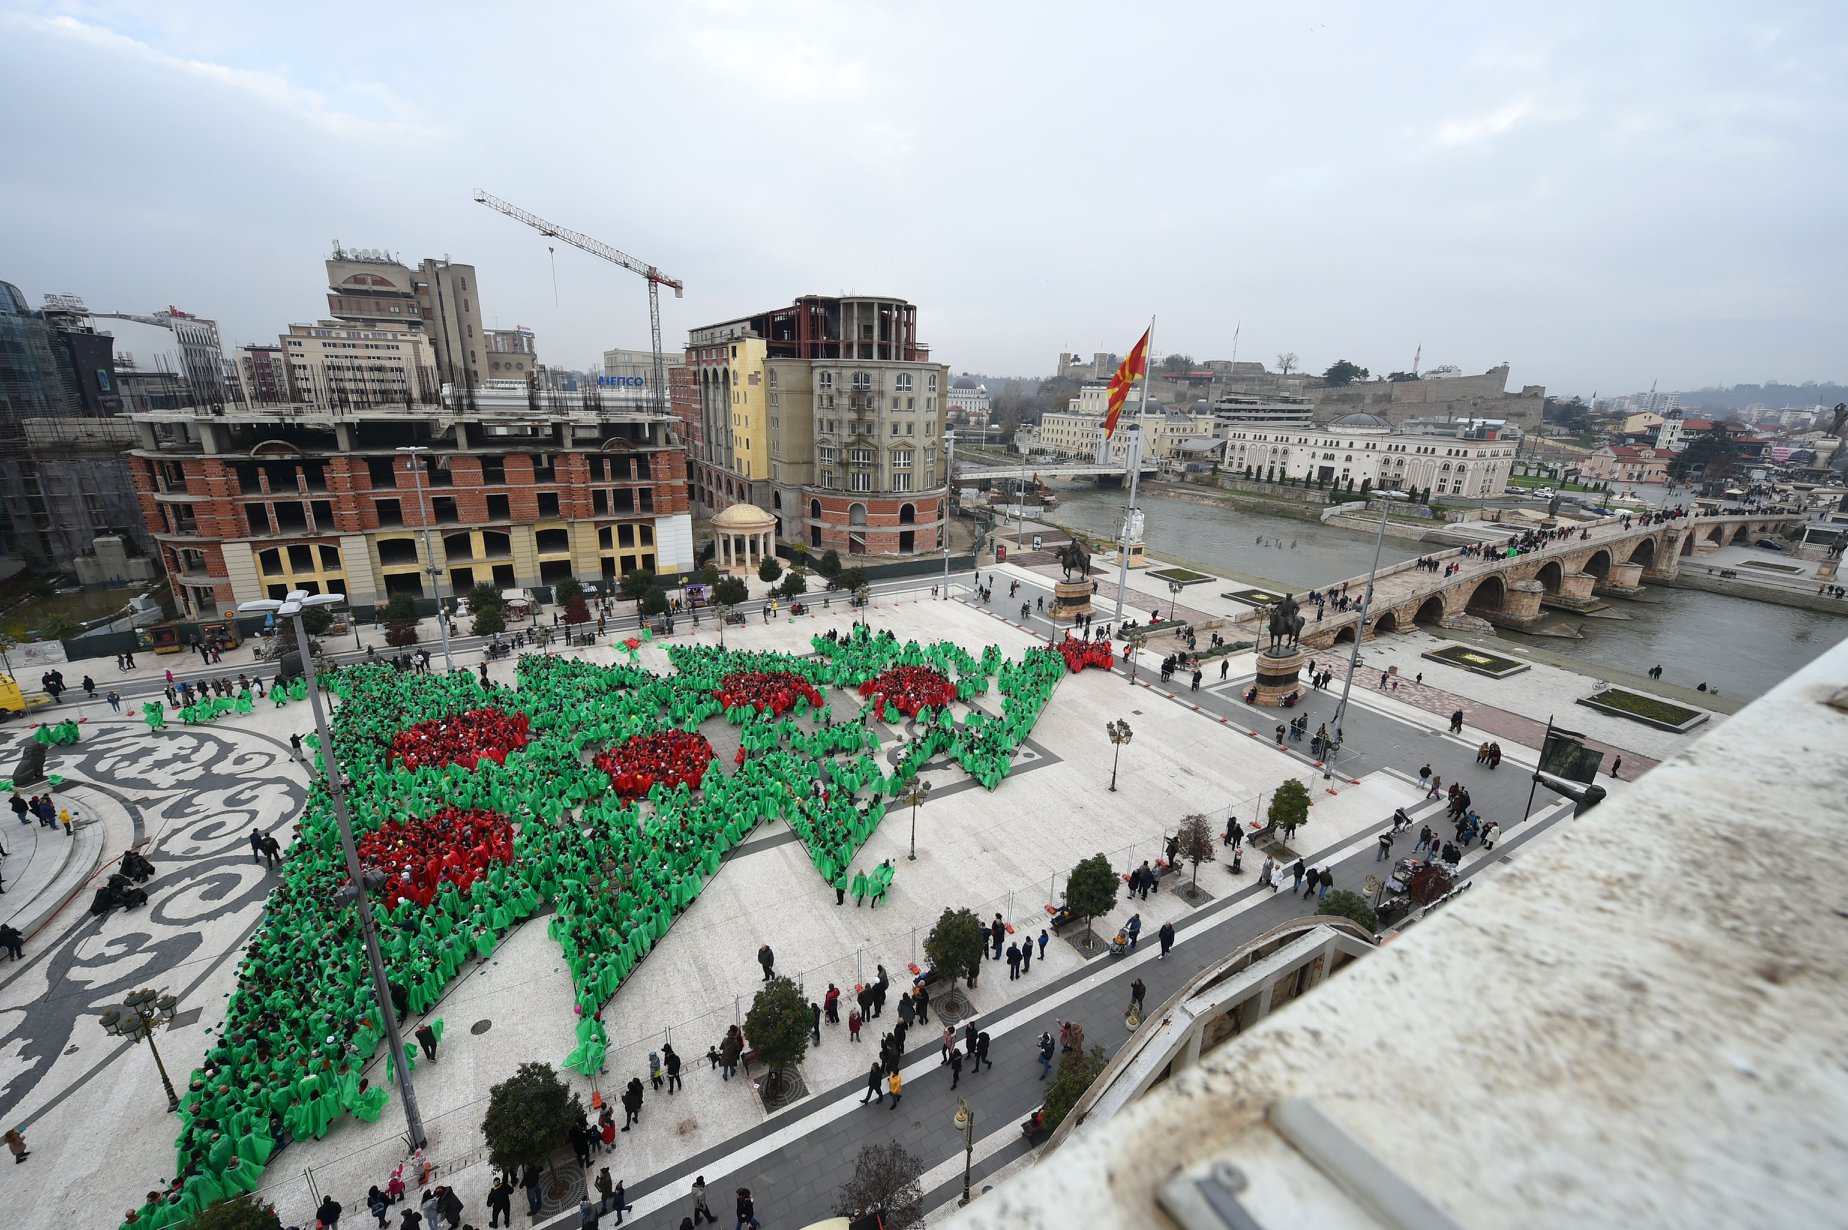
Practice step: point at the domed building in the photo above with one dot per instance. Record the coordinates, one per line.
(744, 537)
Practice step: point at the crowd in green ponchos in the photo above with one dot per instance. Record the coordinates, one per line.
(289, 1064)
(55, 733)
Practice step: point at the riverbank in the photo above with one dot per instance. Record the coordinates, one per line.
(1693, 577)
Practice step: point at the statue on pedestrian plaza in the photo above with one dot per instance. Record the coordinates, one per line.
(1074, 558)
(1286, 624)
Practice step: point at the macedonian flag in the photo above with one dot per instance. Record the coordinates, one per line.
(1135, 366)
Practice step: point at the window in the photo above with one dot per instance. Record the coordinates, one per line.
(860, 480)
(827, 480)
(862, 380)
(933, 383)
(901, 456)
(548, 503)
(825, 380)
(860, 456)
(902, 381)
(901, 481)
(825, 454)
(773, 381)
(895, 429)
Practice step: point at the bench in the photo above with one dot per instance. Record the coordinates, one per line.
(746, 1059)
(1033, 1127)
(1059, 926)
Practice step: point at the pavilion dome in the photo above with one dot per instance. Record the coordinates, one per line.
(1360, 421)
(743, 519)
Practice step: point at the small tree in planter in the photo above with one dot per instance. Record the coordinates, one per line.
(577, 611)
(1195, 843)
(1349, 904)
(1091, 890)
(829, 565)
(1289, 808)
(566, 590)
(1076, 1073)
(795, 583)
(727, 595)
(654, 602)
(886, 1183)
(489, 620)
(401, 620)
(955, 945)
(237, 1213)
(777, 1027)
(528, 1115)
(635, 585)
(770, 569)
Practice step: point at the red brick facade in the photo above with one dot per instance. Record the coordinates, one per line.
(829, 519)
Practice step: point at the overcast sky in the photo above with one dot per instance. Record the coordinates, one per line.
(1601, 195)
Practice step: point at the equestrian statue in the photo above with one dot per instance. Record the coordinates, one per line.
(1073, 557)
(1286, 624)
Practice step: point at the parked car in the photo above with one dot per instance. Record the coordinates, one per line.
(1768, 544)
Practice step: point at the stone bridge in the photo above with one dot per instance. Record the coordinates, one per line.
(1568, 574)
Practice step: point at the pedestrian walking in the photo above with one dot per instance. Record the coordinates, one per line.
(329, 1212)
(767, 959)
(1136, 993)
(256, 844)
(997, 933)
(1166, 935)
(1298, 871)
(1328, 882)
(895, 1084)
(1026, 957)
(981, 1051)
(875, 1084)
(1045, 1054)
(747, 1210)
(632, 1103)
(1616, 765)
(1424, 776)
(295, 745)
(115, 701)
(428, 1035)
(949, 1045)
(16, 1141)
(1133, 929)
(831, 1004)
(1385, 848)
(672, 1063)
(702, 1212)
(1490, 832)
(955, 1068)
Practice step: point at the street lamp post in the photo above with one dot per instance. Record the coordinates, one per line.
(949, 502)
(423, 512)
(965, 1119)
(1366, 608)
(291, 608)
(141, 1014)
(1174, 594)
(1135, 647)
(1120, 734)
(915, 793)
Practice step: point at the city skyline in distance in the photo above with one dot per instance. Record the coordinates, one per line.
(1601, 200)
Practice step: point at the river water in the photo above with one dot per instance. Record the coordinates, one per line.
(1741, 647)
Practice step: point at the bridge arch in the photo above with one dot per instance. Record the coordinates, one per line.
(1598, 564)
(1388, 622)
(1687, 544)
(1717, 535)
(1345, 635)
(1488, 597)
(1550, 576)
(1430, 611)
(1644, 553)
(1742, 535)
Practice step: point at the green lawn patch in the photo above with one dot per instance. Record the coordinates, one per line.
(1649, 710)
(1253, 597)
(1479, 661)
(1186, 576)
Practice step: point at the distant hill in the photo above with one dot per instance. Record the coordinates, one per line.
(1773, 394)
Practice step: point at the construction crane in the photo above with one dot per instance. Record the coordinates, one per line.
(656, 279)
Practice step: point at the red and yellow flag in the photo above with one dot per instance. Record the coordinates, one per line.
(1136, 365)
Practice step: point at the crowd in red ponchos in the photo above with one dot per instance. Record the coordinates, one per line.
(772, 692)
(908, 689)
(670, 758)
(1082, 653)
(464, 738)
(455, 844)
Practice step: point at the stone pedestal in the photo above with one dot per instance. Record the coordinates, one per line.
(1575, 588)
(1070, 599)
(1623, 579)
(1135, 555)
(1521, 604)
(1277, 674)
(1825, 571)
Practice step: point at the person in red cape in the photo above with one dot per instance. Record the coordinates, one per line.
(464, 739)
(909, 689)
(452, 844)
(669, 757)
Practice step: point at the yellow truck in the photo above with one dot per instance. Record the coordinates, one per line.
(14, 701)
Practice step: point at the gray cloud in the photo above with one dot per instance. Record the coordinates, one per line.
(1601, 195)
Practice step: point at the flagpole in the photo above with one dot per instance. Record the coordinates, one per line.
(1133, 454)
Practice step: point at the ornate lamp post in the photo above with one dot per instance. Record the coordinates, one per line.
(965, 1120)
(915, 793)
(1136, 643)
(1120, 733)
(1174, 593)
(291, 608)
(140, 1015)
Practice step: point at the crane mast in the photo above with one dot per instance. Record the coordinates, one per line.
(655, 278)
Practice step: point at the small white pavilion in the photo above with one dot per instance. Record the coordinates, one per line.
(745, 536)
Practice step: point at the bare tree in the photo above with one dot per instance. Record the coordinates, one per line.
(1195, 843)
(885, 1181)
(1286, 361)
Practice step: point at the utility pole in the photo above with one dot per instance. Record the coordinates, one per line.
(423, 511)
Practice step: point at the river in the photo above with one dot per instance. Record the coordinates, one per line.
(1739, 646)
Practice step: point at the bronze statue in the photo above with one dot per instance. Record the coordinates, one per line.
(1074, 558)
(1286, 623)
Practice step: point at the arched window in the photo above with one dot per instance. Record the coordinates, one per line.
(815, 510)
(907, 515)
(856, 515)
